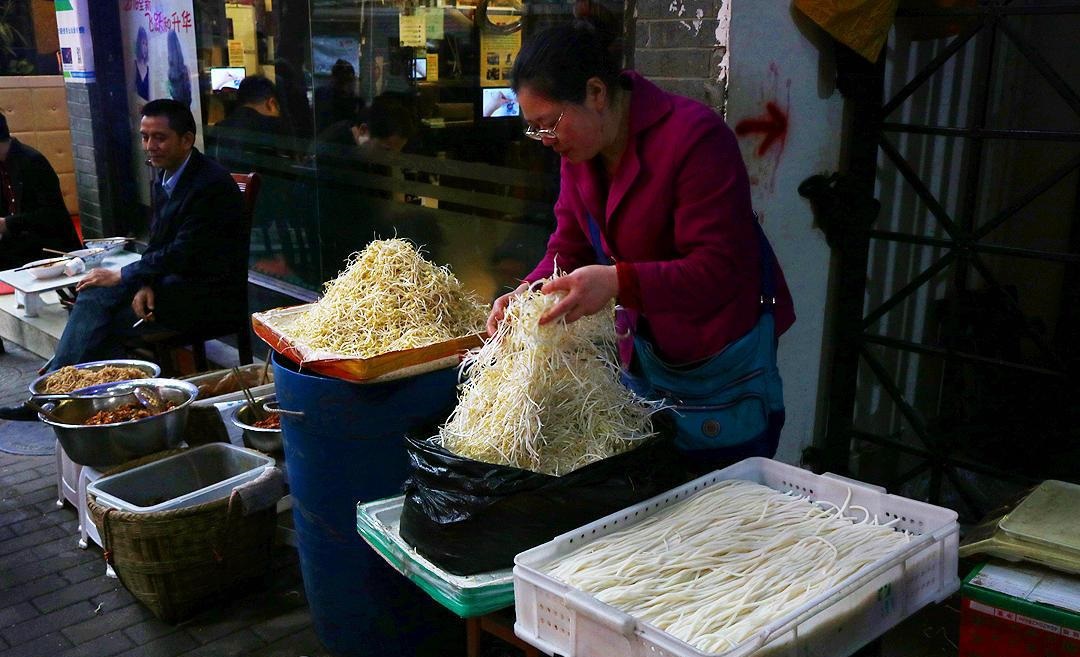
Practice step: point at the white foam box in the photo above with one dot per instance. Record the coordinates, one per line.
(559, 619)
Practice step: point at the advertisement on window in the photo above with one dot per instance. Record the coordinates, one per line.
(76, 51)
(159, 48)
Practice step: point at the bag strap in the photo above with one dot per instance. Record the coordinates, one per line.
(765, 256)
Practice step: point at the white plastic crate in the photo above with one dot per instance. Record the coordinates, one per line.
(562, 620)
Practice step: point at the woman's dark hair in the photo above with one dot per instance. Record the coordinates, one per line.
(178, 115)
(140, 40)
(557, 62)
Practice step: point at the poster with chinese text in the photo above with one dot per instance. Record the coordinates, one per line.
(159, 51)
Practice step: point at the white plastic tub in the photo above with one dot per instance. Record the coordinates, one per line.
(562, 620)
(196, 476)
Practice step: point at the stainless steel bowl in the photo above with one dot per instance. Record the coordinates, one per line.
(264, 440)
(111, 444)
(37, 386)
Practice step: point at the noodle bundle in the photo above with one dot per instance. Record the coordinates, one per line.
(389, 298)
(67, 379)
(546, 398)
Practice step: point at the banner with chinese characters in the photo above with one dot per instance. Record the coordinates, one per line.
(76, 51)
(160, 62)
(497, 53)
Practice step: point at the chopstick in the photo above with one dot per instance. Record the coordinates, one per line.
(54, 251)
(42, 264)
(256, 411)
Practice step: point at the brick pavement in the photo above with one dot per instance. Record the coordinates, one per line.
(55, 600)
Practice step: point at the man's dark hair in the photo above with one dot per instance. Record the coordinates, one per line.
(180, 119)
(5, 134)
(390, 115)
(557, 62)
(255, 89)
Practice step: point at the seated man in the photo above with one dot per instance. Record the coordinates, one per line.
(193, 274)
(32, 210)
(254, 127)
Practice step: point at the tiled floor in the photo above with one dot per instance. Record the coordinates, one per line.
(55, 600)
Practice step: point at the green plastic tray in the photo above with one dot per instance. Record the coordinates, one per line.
(467, 596)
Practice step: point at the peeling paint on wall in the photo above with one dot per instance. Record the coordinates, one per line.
(723, 34)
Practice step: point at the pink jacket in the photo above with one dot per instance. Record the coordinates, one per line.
(678, 221)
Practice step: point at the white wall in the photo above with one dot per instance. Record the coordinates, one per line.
(777, 56)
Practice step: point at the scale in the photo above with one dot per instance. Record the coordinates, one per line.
(1044, 528)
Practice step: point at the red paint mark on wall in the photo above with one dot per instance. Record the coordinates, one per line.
(773, 124)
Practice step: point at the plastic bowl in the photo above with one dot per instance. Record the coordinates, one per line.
(103, 445)
(92, 257)
(150, 370)
(47, 268)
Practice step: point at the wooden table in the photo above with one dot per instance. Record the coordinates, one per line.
(28, 289)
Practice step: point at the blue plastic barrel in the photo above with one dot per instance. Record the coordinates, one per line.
(348, 447)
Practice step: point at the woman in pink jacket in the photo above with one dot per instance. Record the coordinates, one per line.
(654, 211)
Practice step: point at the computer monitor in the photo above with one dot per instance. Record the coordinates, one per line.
(419, 69)
(226, 77)
(499, 102)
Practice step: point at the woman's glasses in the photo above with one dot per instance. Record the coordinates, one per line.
(540, 133)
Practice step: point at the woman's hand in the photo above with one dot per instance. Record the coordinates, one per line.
(587, 290)
(498, 309)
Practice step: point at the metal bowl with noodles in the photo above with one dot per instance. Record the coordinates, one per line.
(99, 445)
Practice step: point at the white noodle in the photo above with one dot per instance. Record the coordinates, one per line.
(746, 555)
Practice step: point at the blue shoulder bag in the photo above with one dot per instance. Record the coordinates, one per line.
(731, 405)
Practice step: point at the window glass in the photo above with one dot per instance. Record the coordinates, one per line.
(388, 119)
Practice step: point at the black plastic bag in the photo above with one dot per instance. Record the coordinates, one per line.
(470, 517)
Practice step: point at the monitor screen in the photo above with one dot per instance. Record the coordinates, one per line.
(500, 101)
(226, 77)
(419, 70)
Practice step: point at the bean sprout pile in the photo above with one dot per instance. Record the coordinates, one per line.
(389, 298)
(546, 398)
(717, 567)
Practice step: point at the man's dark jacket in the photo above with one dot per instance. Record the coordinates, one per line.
(42, 219)
(197, 255)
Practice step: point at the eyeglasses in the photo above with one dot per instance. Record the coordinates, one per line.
(540, 133)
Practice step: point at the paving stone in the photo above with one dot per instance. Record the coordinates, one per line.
(72, 593)
(152, 629)
(30, 539)
(44, 624)
(42, 646)
(32, 589)
(283, 624)
(302, 643)
(103, 646)
(15, 575)
(105, 622)
(19, 477)
(17, 613)
(93, 566)
(68, 544)
(172, 644)
(244, 642)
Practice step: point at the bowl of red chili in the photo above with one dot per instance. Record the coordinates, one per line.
(112, 426)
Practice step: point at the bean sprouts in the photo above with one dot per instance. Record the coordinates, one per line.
(545, 398)
(389, 298)
(714, 569)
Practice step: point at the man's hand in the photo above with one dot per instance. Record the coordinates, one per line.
(498, 309)
(99, 277)
(143, 303)
(587, 291)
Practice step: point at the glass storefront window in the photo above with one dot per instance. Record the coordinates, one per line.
(395, 119)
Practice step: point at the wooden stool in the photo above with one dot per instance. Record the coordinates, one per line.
(499, 624)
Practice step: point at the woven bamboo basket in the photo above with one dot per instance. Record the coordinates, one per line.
(177, 562)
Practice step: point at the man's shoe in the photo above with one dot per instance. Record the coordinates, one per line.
(22, 413)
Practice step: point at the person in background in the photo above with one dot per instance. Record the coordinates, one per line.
(193, 274)
(338, 99)
(254, 127)
(654, 212)
(33, 215)
(142, 64)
